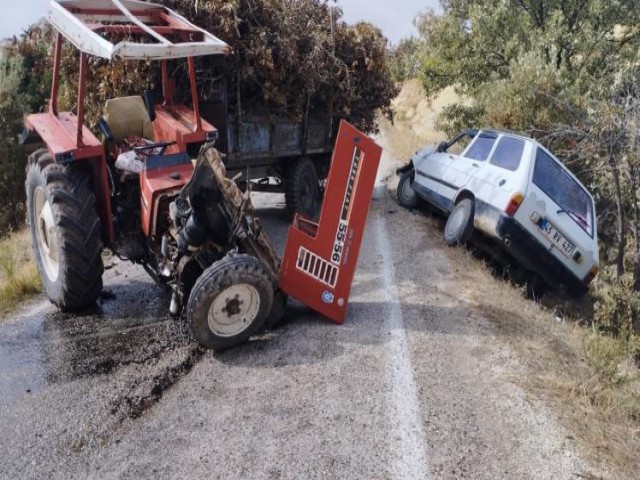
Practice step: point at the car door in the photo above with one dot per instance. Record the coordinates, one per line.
(461, 169)
(496, 181)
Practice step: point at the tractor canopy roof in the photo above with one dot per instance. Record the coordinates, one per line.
(131, 30)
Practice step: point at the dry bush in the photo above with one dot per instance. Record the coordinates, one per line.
(294, 55)
(19, 276)
(589, 379)
(414, 123)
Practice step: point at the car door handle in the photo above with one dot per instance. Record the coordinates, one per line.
(501, 182)
(475, 165)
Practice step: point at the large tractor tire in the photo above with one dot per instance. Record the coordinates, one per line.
(65, 232)
(302, 188)
(230, 302)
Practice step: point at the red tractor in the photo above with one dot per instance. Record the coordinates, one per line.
(139, 193)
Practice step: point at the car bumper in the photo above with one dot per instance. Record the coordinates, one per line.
(528, 251)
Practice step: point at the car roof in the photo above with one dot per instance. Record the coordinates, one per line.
(509, 133)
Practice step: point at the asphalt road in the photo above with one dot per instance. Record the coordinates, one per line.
(415, 385)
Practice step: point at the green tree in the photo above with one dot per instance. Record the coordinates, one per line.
(474, 42)
(11, 158)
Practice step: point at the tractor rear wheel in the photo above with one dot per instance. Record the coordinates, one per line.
(302, 188)
(230, 302)
(65, 232)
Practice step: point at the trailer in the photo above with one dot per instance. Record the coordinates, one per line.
(278, 153)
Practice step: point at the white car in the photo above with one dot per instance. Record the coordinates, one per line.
(515, 193)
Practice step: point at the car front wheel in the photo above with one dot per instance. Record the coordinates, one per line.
(407, 196)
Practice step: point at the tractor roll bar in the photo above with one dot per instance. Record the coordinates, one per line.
(89, 25)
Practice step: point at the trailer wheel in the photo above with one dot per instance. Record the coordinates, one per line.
(230, 302)
(302, 188)
(65, 232)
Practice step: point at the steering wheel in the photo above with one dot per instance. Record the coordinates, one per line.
(152, 148)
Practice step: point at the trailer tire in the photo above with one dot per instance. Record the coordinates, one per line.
(302, 188)
(65, 232)
(230, 302)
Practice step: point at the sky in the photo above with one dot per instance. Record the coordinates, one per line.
(394, 17)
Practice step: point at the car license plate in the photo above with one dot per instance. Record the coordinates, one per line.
(555, 237)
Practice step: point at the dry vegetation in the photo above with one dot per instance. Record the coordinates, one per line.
(414, 119)
(19, 277)
(591, 381)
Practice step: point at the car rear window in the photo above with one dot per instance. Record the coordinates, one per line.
(508, 153)
(570, 196)
(481, 147)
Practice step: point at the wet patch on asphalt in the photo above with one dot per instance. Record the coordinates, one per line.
(69, 381)
(140, 397)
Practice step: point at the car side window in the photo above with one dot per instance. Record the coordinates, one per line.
(481, 148)
(508, 153)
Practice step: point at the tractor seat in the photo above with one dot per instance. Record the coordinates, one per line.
(128, 117)
(129, 125)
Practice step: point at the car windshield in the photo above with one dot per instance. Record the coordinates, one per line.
(570, 196)
(481, 147)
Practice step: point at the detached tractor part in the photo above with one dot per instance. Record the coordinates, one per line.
(320, 258)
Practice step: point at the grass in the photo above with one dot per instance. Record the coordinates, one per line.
(590, 380)
(19, 276)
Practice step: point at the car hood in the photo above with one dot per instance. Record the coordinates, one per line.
(422, 155)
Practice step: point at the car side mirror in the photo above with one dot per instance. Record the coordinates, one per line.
(442, 147)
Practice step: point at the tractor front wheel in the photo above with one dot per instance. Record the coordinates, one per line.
(65, 232)
(230, 302)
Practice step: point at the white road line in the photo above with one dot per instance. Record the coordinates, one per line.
(410, 460)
